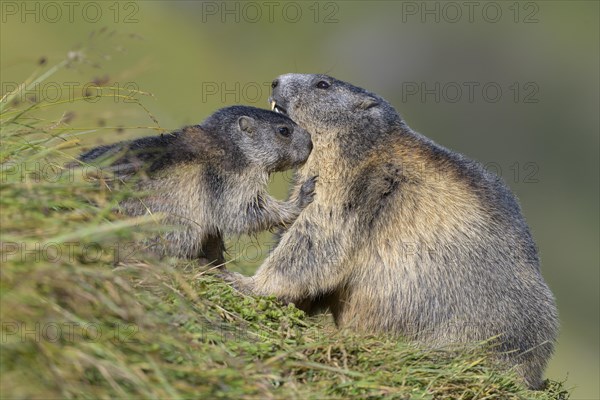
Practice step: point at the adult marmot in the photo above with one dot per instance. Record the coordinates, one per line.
(405, 236)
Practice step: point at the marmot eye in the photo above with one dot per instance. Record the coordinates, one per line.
(284, 131)
(323, 85)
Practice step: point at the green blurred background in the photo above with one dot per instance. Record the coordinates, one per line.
(513, 85)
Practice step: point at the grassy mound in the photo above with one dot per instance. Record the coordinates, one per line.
(83, 315)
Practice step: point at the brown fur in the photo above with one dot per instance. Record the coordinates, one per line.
(210, 180)
(404, 236)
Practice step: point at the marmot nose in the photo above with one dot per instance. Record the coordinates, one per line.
(274, 83)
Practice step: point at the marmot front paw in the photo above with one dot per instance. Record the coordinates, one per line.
(307, 192)
(241, 283)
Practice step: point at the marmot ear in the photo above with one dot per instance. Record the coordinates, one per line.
(367, 103)
(247, 124)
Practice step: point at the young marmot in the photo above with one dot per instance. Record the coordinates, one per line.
(210, 179)
(405, 236)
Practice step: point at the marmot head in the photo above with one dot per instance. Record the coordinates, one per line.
(262, 138)
(327, 106)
